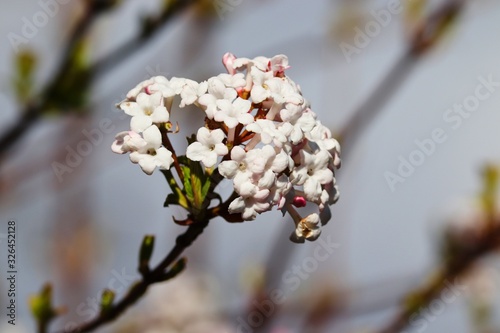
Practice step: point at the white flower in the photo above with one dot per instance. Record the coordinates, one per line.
(146, 110)
(260, 91)
(280, 189)
(233, 81)
(127, 141)
(322, 136)
(274, 92)
(239, 63)
(217, 90)
(237, 169)
(132, 94)
(263, 160)
(249, 207)
(279, 64)
(283, 92)
(152, 154)
(280, 151)
(254, 170)
(303, 125)
(208, 147)
(261, 63)
(312, 172)
(291, 112)
(164, 86)
(255, 179)
(270, 132)
(234, 113)
(329, 196)
(191, 90)
(228, 62)
(229, 169)
(308, 228)
(188, 90)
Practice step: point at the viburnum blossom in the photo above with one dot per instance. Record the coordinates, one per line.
(146, 110)
(234, 112)
(127, 141)
(146, 150)
(312, 172)
(308, 228)
(208, 147)
(260, 133)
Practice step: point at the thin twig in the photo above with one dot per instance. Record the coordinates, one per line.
(364, 116)
(152, 29)
(168, 145)
(158, 274)
(426, 35)
(32, 113)
(450, 270)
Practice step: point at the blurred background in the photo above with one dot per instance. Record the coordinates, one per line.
(387, 77)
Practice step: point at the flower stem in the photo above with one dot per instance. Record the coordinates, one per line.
(168, 145)
(293, 213)
(230, 135)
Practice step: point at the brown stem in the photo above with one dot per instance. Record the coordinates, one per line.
(451, 270)
(31, 115)
(137, 290)
(168, 145)
(42, 327)
(428, 34)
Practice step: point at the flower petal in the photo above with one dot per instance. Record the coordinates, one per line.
(140, 123)
(197, 151)
(152, 136)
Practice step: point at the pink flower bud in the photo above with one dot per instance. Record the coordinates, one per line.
(299, 202)
(227, 61)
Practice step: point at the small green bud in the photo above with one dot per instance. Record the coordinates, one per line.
(145, 253)
(107, 299)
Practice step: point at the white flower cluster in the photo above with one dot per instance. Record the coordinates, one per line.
(149, 104)
(258, 124)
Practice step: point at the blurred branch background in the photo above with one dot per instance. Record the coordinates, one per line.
(82, 216)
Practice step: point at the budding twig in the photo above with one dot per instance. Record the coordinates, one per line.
(33, 111)
(158, 274)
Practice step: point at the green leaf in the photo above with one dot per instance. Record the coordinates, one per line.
(196, 183)
(205, 188)
(170, 179)
(177, 197)
(188, 186)
(172, 199)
